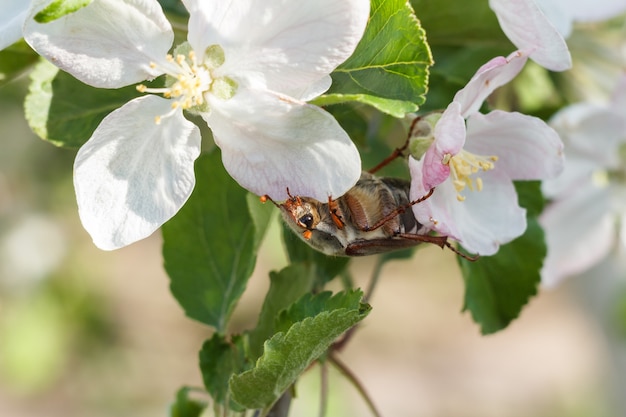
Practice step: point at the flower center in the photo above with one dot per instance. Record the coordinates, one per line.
(464, 166)
(189, 79)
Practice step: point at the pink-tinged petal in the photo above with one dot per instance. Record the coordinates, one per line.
(435, 213)
(526, 147)
(133, 175)
(14, 13)
(490, 76)
(580, 232)
(284, 44)
(107, 44)
(527, 26)
(270, 143)
(449, 135)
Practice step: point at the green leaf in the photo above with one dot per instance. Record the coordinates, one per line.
(287, 355)
(310, 305)
(389, 68)
(262, 215)
(219, 360)
(396, 108)
(210, 245)
(64, 111)
(530, 197)
(174, 7)
(497, 287)
(185, 406)
(286, 287)
(323, 267)
(59, 8)
(15, 60)
(460, 23)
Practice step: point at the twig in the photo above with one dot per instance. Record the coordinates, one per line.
(355, 382)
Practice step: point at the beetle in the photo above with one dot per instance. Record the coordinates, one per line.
(373, 217)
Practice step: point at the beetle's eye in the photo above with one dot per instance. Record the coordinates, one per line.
(306, 221)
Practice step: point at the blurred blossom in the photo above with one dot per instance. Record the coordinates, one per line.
(587, 214)
(473, 166)
(247, 70)
(11, 21)
(31, 250)
(599, 56)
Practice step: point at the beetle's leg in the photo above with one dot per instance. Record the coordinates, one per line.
(334, 209)
(265, 198)
(440, 241)
(398, 210)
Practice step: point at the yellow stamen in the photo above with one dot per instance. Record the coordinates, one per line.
(189, 80)
(463, 166)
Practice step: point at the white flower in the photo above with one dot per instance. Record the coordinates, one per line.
(247, 69)
(588, 212)
(473, 167)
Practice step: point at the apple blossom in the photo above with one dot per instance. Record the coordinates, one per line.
(587, 214)
(247, 68)
(473, 165)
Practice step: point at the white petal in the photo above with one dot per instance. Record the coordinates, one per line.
(526, 25)
(526, 147)
(559, 13)
(490, 76)
(491, 217)
(270, 143)
(284, 44)
(11, 21)
(133, 175)
(580, 231)
(107, 44)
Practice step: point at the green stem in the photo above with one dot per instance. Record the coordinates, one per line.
(323, 388)
(355, 382)
(375, 277)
